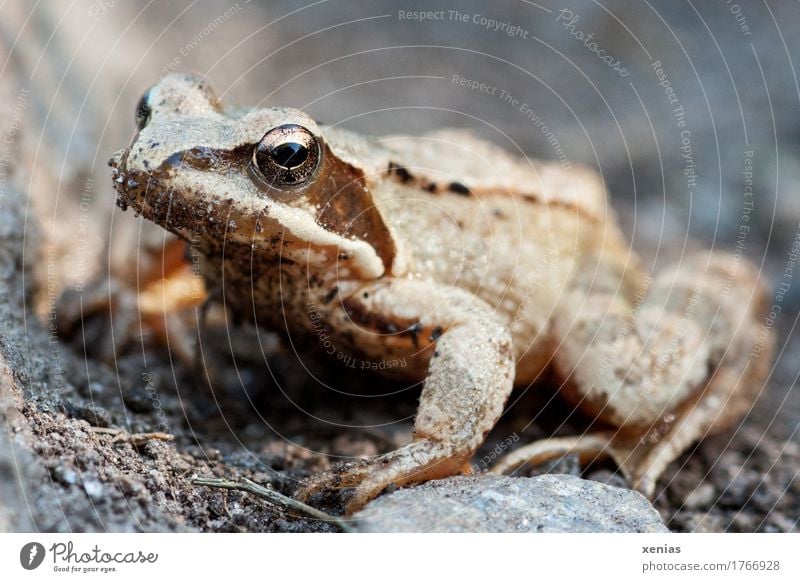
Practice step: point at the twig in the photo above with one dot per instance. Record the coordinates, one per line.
(139, 438)
(135, 438)
(274, 498)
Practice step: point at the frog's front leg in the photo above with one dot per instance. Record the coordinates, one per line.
(683, 360)
(152, 298)
(470, 374)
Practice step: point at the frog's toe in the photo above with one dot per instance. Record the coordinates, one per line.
(340, 476)
(588, 448)
(419, 461)
(640, 462)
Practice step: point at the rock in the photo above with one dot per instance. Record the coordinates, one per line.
(490, 503)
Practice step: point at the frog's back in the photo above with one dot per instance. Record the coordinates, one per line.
(471, 214)
(508, 229)
(455, 160)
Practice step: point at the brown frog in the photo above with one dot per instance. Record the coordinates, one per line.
(476, 268)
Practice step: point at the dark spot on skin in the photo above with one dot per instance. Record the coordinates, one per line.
(346, 206)
(436, 353)
(330, 295)
(146, 165)
(498, 213)
(343, 256)
(430, 187)
(400, 171)
(459, 188)
(154, 144)
(366, 295)
(436, 333)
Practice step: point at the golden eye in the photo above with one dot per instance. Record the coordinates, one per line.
(287, 155)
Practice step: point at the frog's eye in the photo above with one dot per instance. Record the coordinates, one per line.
(143, 111)
(287, 155)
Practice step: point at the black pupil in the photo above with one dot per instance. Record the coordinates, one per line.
(289, 154)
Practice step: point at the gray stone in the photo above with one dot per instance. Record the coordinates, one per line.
(490, 503)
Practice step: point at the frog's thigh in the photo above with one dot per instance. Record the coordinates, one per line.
(683, 363)
(470, 375)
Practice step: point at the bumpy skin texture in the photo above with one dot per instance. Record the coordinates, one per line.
(477, 268)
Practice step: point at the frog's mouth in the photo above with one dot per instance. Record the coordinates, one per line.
(118, 163)
(128, 187)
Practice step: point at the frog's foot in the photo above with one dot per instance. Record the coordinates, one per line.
(588, 448)
(125, 310)
(419, 461)
(101, 318)
(641, 464)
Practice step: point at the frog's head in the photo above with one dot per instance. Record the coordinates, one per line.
(265, 178)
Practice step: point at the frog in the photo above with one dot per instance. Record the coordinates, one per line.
(478, 268)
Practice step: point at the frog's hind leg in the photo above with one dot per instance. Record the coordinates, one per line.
(686, 362)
